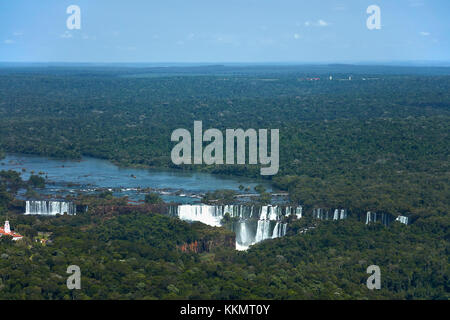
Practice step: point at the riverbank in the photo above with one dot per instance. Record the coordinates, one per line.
(91, 175)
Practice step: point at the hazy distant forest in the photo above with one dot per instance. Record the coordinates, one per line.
(378, 142)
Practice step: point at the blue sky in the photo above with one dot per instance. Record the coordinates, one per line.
(224, 31)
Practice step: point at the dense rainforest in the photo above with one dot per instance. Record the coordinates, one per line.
(137, 256)
(379, 142)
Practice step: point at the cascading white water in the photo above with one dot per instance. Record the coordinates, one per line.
(263, 231)
(368, 215)
(279, 230)
(210, 215)
(274, 213)
(402, 219)
(320, 214)
(49, 208)
(384, 218)
(299, 212)
(263, 215)
(244, 236)
(276, 231)
(258, 223)
(255, 223)
(336, 214)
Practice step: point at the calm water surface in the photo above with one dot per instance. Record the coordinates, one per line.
(68, 176)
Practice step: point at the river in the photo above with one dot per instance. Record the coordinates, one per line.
(91, 175)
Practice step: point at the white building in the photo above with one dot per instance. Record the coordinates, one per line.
(6, 230)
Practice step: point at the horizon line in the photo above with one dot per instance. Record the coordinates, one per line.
(400, 63)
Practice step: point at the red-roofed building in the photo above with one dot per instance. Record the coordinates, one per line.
(6, 230)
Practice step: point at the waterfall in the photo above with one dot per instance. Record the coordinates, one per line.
(321, 214)
(210, 215)
(340, 214)
(263, 215)
(276, 230)
(402, 219)
(299, 211)
(279, 230)
(244, 237)
(263, 231)
(49, 208)
(368, 217)
(275, 213)
(255, 223)
(384, 218)
(336, 214)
